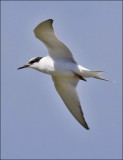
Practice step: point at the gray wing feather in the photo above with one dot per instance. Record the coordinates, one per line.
(45, 33)
(66, 87)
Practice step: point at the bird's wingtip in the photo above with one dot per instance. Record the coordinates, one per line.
(86, 127)
(51, 20)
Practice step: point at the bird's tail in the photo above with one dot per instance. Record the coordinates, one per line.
(95, 74)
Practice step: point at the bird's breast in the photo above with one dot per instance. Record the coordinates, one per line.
(56, 67)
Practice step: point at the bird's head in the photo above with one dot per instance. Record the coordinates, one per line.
(33, 62)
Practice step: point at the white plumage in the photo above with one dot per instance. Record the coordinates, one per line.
(63, 68)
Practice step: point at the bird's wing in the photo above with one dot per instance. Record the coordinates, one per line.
(66, 87)
(45, 33)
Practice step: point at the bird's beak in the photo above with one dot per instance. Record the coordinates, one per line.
(25, 66)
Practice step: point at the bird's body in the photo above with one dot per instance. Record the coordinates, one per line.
(58, 67)
(63, 68)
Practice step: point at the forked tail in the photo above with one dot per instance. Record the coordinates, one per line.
(95, 74)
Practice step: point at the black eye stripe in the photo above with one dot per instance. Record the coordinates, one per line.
(35, 60)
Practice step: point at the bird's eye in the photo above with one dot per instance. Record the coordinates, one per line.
(31, 62)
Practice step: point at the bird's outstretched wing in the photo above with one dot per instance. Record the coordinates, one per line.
(66, 87)
(56, 49)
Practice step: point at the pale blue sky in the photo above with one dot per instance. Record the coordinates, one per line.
(35, 121)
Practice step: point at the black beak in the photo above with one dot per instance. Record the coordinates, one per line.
(25, 66)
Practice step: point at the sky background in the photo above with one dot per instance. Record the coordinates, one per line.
(35, 121)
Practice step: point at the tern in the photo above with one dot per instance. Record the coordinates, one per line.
(63, 68)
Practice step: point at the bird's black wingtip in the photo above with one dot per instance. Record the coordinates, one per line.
(88, 128)
(51, 20)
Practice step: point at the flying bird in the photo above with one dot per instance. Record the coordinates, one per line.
(64, 70)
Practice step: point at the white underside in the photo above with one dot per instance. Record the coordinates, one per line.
(60, 67)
